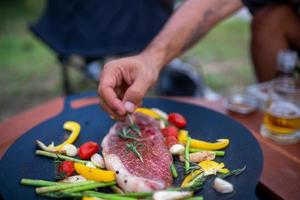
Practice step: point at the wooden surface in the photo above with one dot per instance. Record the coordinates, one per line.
(281, 171)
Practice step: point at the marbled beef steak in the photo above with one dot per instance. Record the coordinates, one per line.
(133, 174)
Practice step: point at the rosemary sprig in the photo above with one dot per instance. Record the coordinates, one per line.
(233, 172)
(124, 133)
(133, 147)
(135, 128)
(133, 125)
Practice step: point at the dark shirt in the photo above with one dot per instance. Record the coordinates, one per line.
(254, 5)
(101, 27)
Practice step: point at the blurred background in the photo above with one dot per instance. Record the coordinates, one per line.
(30, 73)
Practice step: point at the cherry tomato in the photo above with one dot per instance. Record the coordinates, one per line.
(177, 119)
(170, 131)
(170, 141)
(88, 149)
(65, 169)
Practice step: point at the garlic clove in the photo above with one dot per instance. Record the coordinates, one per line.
(222, 186)
(177, 149)
(162, 124)
(49, 148)
(171, 195)
(90, 165)
(74, 179)
(69, 150)
(98, 160)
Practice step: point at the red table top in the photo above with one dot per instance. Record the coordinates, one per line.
(281, 171)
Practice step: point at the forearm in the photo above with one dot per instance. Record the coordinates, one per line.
(186, 26)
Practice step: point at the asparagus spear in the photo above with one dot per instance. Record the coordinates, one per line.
(107, 196)
(60, 195)
(89, 187)
(62, 187)
(218, 153)
(187, 156)
(174, 171)
(59, 156)
(33, 182)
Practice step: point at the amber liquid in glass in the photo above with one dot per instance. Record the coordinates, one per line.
(282, 118)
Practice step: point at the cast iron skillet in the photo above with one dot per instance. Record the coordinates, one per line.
(20, 160)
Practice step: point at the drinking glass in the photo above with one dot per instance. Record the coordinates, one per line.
(281, 121)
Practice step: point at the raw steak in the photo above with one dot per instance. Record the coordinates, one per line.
(134, 175)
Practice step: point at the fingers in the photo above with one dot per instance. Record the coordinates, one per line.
(107, 92)
(112, 113)
(135, 94)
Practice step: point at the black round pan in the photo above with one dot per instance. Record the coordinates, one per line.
(20, 160)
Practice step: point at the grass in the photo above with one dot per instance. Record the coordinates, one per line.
(30, 74)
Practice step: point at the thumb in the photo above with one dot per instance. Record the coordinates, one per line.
(135, 94)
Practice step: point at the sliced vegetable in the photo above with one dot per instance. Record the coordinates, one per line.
(210, 167)
(177, 119)
(174, 171)
(61, 187)
(187, 155)
(65, 169)
(148, 112)
(162, 114)
(190, 177)
(91, 198)
(170, 131)
(94, 174)
(58, 156)
(218, 153)
(72, 126)
(199, 144)
(88, 149)
(33, 182)
(197, 182)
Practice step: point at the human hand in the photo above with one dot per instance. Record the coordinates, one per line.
(124, 83)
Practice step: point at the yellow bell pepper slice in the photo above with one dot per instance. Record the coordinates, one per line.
(224, 171)
(74, 128)
(211, 167)
(94, 174)
(148, 112)
(200, 144)
(190, 177)
(90, 198)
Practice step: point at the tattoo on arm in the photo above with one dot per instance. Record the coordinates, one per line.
(199, 31)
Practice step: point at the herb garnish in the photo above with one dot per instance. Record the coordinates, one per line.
(133, 147)
(133, 126)
(125, 133)
(233, 172)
